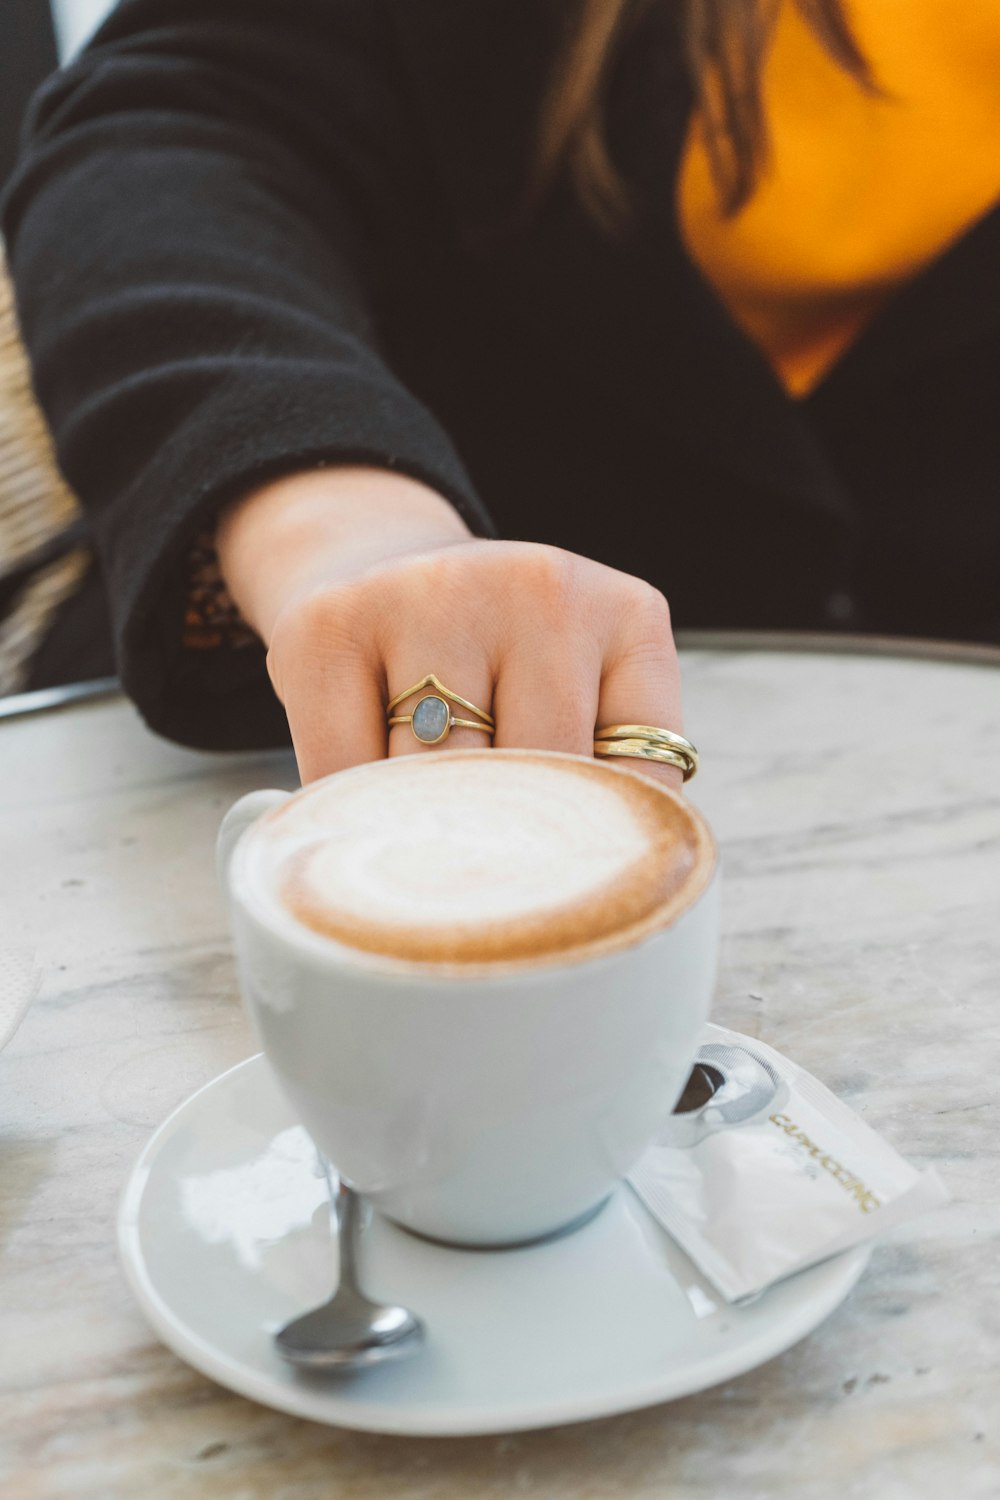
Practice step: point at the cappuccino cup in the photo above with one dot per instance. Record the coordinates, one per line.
(479, 976)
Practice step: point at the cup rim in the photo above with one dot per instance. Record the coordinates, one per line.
(297, 935)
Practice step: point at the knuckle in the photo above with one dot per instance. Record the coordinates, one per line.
(319, 626)
(273, 663)
(407, 573)
(427, 596)
(647, 613)
(548, 584)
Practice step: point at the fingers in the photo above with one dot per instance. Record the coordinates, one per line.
(549, 670)
(337, 721)
(332, 691)
(550, 644)
(530, 655)
(439, 623)
(464, 672)
(546, 694)
(641, 681)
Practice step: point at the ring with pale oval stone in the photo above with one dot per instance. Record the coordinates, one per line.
(647, 742)
(432, 720)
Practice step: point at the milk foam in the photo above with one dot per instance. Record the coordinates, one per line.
(473, 855)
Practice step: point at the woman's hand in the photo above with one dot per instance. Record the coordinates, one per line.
(358, 596)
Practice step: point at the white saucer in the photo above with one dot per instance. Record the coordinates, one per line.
(224, 1233)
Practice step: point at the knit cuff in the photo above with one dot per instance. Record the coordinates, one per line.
(212, 619)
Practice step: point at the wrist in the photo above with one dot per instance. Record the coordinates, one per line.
(293, 533)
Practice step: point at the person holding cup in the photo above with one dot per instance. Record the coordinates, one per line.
(389, 339)
(551, 644)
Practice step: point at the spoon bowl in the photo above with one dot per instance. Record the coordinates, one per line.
(349, 1331)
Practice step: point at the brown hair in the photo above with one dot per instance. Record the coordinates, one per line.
(725, 42)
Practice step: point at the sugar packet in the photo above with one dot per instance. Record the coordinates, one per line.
(761, 1171)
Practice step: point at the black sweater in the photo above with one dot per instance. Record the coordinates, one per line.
(248, 237)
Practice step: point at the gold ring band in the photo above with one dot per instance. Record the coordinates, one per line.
(643, 750)
(431, 681)
(432, 720)
(647, 742)
(452, 723)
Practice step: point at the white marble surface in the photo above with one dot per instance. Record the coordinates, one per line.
(856, 801)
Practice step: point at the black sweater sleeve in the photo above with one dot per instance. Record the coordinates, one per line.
(205, 204)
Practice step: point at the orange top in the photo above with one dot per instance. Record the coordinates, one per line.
(858, 192)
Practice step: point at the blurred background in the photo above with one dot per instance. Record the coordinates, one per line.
(46, 581)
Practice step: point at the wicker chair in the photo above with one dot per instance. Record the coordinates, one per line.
(36, 507)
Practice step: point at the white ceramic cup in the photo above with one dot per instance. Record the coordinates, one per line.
(478, 1108)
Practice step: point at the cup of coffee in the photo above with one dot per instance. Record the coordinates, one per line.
(479, 976)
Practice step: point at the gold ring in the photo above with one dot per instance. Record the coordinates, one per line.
(432, 720)
(647, 742)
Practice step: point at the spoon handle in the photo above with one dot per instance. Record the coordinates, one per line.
(347, 1213)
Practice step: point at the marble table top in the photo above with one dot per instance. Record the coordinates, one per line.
(856, 801)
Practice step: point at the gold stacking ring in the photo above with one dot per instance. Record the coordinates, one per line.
(647, 742)
(432, 720)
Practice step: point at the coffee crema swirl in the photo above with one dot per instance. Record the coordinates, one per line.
(482, 856)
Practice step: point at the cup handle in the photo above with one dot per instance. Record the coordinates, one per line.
(239, 817)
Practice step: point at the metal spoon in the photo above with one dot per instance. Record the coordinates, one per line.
(349, 1331)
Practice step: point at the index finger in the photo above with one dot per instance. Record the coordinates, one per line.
(333, 699)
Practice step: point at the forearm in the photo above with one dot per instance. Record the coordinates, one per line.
(233, 175)
(304, 529)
